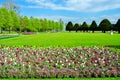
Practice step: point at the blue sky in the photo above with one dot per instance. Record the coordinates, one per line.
(76, 11)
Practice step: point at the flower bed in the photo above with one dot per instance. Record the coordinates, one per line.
(80, 62)
(28, 33)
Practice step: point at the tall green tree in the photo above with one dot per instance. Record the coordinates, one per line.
(117, 25)
(32, 26)
(93, 26)
(2, 19)
(15, 19)
(105, 25)
(76, 27)
(8, 19)
(22, 24)
(37, 24)
(26, 23)
(69, 26)
(84, 27)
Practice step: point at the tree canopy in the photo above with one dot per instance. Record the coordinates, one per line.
(10, 20)
(69, 26)
(93, 26)
(84, 27)
(117, 25)
(105, 25)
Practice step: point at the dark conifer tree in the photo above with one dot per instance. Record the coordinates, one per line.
(93, 26)
(69, 26)
(105, 25)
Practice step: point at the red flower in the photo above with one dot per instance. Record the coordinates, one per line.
(43, 58)
(75, 62)
(95, 52)
(49, 59)
(37, 62)
(35, 53)
(2, 63)
(93, 60)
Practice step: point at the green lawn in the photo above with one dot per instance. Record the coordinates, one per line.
(64, 39)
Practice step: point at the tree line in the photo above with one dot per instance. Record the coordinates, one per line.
(105, 25)
(11, 21)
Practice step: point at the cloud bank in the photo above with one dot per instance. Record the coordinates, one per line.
(76, 5)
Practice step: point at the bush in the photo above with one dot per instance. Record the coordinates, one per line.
(28, 33)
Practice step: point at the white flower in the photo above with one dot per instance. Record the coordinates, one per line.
(95, 60)
(60, 61)
(10, 59)
(66, 60)
(68, 63)
(5, 60)
(103, 61)
(56, 64)
(99, 59)
(81, 57)
(15, 63)
(95, 64)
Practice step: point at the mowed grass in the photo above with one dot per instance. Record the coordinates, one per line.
(64, 39)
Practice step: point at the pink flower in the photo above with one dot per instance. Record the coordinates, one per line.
(19, 60)
(9, 62)
(99, 70)
(3, 57)
(12, 70)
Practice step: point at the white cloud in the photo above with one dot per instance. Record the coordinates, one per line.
(76, 5)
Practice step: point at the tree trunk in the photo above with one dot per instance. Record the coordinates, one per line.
(119, 32)
(9, 29)
(104, 31)
(92, 31)
(1, 30)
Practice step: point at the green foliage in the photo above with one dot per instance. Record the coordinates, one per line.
(69, 26)
(93, 26)
(15, 18)
(26, 23)
(2, 19)
(9, 20)
(105, 25)
(76, 27)
(84, 27)
(117, 25)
